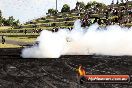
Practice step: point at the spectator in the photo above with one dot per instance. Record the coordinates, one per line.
(99, 21)
(25, 31)
(95, 20)
(55, 30)
(3, 40)
(33, 31)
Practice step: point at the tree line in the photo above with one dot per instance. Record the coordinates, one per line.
(82, 5)
(8, 22)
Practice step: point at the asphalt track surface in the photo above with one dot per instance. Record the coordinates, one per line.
(14, 42)
(17, 72)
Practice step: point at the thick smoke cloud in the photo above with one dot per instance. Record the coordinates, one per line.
(111, 40)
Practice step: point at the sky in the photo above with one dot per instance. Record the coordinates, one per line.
(26, 10)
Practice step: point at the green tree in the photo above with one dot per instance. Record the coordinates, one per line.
(65, 8)
(95, 4)
(5, 22)
(16, 23)
(82, 5)
(10, 20)
(52, 11)
(101, 5)
(89, 4)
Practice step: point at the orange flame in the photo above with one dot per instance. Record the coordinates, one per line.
(81, 71)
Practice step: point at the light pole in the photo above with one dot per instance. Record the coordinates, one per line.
(56, 5)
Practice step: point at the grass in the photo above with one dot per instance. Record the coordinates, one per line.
(50, 28)
(28, 25)
(60, 18)
(43, 28)
(5, 27)
(113, 17)
(95, 14)
(69, 21)
(31, 35)
(24, 29)
(45, 23)
(75, 16)
(55, 22)
(128, 24)
(19, 34)
(8, 46)
(22, 39)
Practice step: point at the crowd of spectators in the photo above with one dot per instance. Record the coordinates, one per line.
(113, 14)
(110, 16)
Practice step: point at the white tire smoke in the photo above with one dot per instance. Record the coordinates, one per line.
(111, 40)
